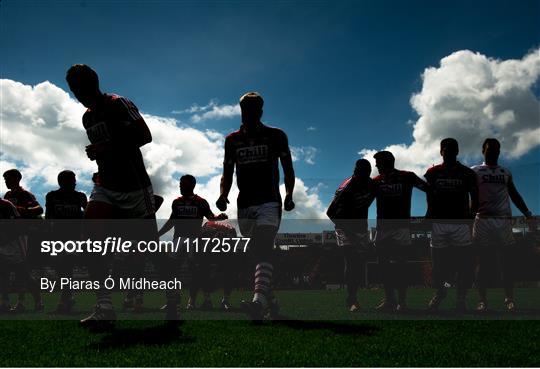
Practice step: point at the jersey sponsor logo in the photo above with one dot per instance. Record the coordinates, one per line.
(98, 133)
(494, 178)
(186, 211)
(448, 183)
(66, 210)
(252, 154)
(395, 189)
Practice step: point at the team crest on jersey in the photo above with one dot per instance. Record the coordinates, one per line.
(98, 133)
(186, 211)
(252, 154)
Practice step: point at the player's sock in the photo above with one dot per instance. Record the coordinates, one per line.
(104, 299)
(263, 279)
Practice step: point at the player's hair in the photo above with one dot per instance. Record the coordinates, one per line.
(78, 73)
(490, 141)
(189, 178)
(385, 156)
(252, 100)
(13, 173)
(65, 174)
(449, 142)
(363, 163)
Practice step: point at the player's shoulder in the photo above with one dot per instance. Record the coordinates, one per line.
(479, 168)
(274, 131)
(465, 169)
(177, 200)
(52, 194)
(234, 135)
(504, 170)
(201, 200)
(344, 184)
(434, 168)
(377, 179)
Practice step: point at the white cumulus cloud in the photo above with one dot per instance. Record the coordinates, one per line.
(41, 133)
(304, 153)
(470, 97)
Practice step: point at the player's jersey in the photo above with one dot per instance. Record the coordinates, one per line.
(394, 192)
(493, 198)
(110, 122)
(450, 186)
(256, 155)
(62, 204)
(22, 198)
(189, 211)
(352, 200)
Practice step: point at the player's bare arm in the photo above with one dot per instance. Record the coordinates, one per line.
(225, 186)
(289, 179)
(518, 201)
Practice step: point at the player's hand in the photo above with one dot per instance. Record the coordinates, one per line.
(531, 223)
(94, 151)
(222, 216)
(221, 203)
(288, 204)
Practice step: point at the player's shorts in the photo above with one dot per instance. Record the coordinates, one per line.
(400, 236)
(450, 234)
(139, 203)
(493, 232)
(361, 241)
(267, 214)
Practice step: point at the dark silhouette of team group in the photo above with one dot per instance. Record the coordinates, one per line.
(466, 206)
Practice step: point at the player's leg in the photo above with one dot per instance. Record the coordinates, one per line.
(463, 263)
(402, 243)
(440, 257)
(262, 226)
(5, 305)
(506, 262)
(64, 269)
(485, 256)
(103, 314)
(384, 256)
(24, 280)
(352, 274)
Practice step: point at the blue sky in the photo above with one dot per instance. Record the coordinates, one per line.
(348, 69)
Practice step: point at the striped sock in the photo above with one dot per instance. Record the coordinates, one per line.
(263, 280)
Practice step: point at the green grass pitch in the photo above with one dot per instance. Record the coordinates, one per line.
(318, 331)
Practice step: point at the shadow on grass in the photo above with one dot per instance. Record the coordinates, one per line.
(334, 327)
(127, 337)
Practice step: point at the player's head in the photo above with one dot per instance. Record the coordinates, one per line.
(491, 148)
(251, 105)
(12, 177)
(384, 161)
(449, 149)
(187, 184)
(95, 178)
(362, 168)
(67, 180)
(84, 83)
